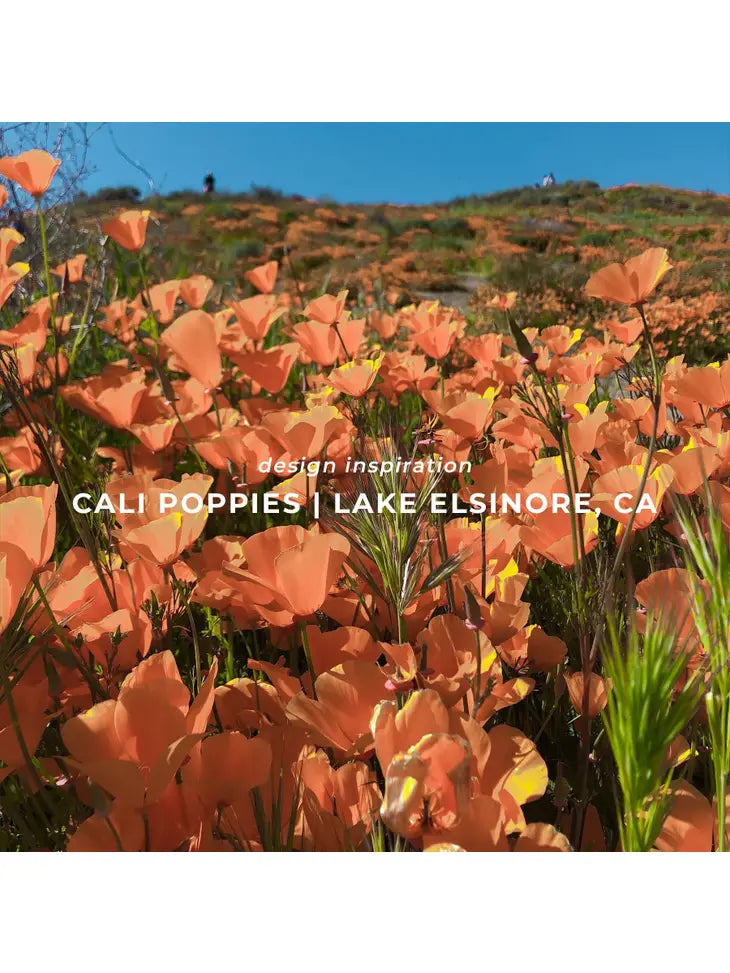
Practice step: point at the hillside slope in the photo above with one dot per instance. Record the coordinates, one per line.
(540, 242)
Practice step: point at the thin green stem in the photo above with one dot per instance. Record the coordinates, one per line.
(307, 656)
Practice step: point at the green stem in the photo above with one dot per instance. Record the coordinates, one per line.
(618, 561)
(344, 347)
(143, 275)
(194, 633)
(27, 757)
(81, 330)
(47, 270)
(307, 656)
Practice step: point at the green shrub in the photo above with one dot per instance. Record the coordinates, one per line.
(452, 226)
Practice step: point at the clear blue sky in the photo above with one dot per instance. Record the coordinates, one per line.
(416, 163)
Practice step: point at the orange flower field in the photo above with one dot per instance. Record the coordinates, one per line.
(260, 587)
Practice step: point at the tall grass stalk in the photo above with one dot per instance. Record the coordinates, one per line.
(395, 542)
(707, 557)
(644, 713)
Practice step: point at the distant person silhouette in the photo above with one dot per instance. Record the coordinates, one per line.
(209, 183)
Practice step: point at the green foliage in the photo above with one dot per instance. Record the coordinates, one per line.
(644, 713)
(395, 542)
(597, 238)
(409, 223)
(116, 194)
(708, 558)
(451, 226)
(428, 243)
(237, 249)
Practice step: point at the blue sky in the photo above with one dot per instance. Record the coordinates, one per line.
(404, 162)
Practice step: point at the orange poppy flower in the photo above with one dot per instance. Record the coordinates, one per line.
(16, 570)
(691, 467)
(484, 348)
(668, 595)
(256, 315)
(631, 282)
(307, 433)
(597, 694)
(542, 650)
(465, 413)
(194, 290)
(559, 338)
(31, 703)
(163, 297)
(690, 821)
(481, 827)
(327, 309)
(9, 277)
(9, 240)
(450, 652)
(330, 649)
(340, 715)
(112, 396)
(154, 436)
(72, 269)
(25, 351)
(397, 730)
(28, 520)
(160, 536)
(133, 746)
(709, 386)
(121, 319)
(129, 229)
(626, 331)
(269, 368)
(338, 805)
(428, 787)
(436, 342)
(319, 340)
(385, 325)
(122, 636)
(194, 340)
(503, 302)
(32, 170)
(616, 494)
(355, 378)
(20, 454)
(289, 571)
(230, 767)
(263, 278)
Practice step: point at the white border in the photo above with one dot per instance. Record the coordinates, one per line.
(353, 912)
(387, 60)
